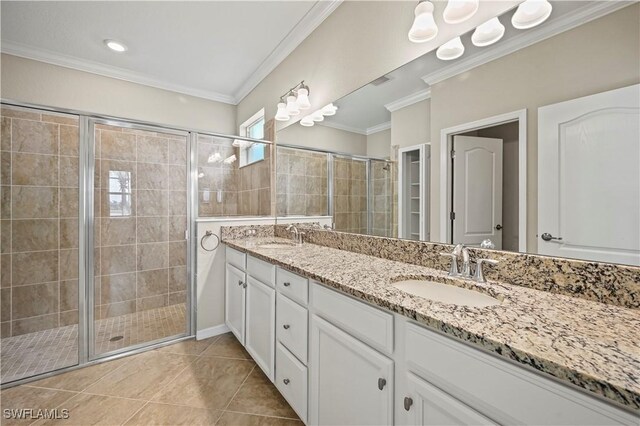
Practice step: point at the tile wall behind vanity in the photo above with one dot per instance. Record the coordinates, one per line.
(39, 231)
(301, 188)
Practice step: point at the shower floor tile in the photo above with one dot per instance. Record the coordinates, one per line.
(35, 353)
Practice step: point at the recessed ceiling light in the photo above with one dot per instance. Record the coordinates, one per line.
(116, 46)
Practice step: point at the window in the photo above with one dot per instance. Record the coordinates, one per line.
(119, 193)
(252, 128)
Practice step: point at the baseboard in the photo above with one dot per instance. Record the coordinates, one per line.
(211, 331)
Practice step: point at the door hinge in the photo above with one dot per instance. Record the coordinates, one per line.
(453, 153)
(452, 215)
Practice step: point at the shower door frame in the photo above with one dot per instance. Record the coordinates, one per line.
(87, 202)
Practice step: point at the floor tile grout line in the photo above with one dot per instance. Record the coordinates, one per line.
(236, 392)
(135, 412)
(261, 415)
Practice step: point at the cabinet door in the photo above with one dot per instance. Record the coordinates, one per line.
(234, 301)
(429, 406)
(260, 332)
(350, 383)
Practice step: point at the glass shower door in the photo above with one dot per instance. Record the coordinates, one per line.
(140, 282)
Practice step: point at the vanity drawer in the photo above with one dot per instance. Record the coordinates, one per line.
(506, 393)
(291, 380)
(261, 270)
(292, 326)
(294, 286)
(236, 258)
(371, 325)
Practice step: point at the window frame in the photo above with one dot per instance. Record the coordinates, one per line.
(244, 153)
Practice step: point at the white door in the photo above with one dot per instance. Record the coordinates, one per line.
(260, 339)
(234, 301)
(350, 383)
(589, 177)
(477, 190)
(429, 406)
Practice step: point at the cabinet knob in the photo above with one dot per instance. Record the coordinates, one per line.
(287, 284)
(286, 326)
(382, 383)
(408, 402)
(286, 381)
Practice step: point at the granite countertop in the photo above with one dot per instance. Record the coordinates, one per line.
(592, 345)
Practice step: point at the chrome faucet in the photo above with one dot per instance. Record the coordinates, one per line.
(297, 235)
(479, 275)
(459, 250)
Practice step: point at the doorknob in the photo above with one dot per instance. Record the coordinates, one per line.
(498, 227)
(408, 402)
(382, 383)
(548, 237)
(286, 326)
(240, 282)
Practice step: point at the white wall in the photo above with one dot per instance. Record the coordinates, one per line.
(30, 81)
(379, 144)
(411, 125)
(323, 137)
(358, 42)
(599, 56)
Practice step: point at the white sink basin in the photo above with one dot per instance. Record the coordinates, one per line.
(446, 293)
(276, 245)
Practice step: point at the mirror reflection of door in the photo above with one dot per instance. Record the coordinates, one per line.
(589, 177)
(477, 190)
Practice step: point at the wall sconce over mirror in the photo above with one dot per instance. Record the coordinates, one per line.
(293, 101)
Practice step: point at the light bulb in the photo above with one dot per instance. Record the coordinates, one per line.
(307, 121)
(329, 110)
(303, 99)
(488, 33)
(458, 11)
(292, 106)
(317, 116)
(116, 46)
(531, 13)
(424, 27)
(452, 49)
(282, 114)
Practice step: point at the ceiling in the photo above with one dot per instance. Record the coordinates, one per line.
(363, 111)
(216, 50)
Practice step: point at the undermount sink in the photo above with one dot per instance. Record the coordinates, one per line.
(276, 245)
(446, 293)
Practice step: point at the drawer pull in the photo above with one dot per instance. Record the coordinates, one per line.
(286, 381)
(382, 383)
(286, 326)
(408, 402)
(287, 284)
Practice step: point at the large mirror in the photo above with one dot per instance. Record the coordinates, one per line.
(530, 144)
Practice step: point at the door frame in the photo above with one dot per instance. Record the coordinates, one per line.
(446, 142)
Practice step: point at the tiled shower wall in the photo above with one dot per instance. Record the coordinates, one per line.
(350, 195)
(228, 190)
(301, 182)
(141, 250)
(39, 232)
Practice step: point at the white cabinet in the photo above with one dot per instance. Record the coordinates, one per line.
(260, 327)
(429, 406)
(235, 284)
(292, 326)
(350, 383)
(291, 380)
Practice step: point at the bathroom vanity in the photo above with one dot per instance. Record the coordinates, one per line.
(344, 346)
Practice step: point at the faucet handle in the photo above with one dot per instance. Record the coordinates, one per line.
(453, 269)
(479, 275)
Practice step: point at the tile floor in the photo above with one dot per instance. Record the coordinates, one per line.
(29, 354)
(206, 382)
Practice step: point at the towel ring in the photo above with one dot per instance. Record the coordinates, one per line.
(207, 235)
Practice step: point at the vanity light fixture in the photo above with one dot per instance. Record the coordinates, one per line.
(116, 46)
(424, 27)
(458, 11)
(294, 100)
(452, 49)
(531, 13)
(329, 110)
(317, 116)
(488, 33)
(307, 121)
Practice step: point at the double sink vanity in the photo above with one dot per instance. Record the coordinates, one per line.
(350, 338)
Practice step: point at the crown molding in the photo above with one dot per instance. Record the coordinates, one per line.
(314, 17)
(66, 61)
(566, 22)
(408, 100)
(378, 128)
(343, 127)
